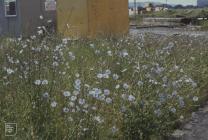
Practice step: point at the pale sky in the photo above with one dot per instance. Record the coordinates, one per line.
(184, 2)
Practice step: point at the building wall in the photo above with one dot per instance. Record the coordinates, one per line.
(27, 19)
(108, 17)
(92, 17)
(31, 10)
(10, 26)
(72, 17)
(119, 17)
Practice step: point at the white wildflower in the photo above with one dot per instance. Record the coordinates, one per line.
(106, 92)
(106, 76)
(73, 98)
(174, 93)
(92, 45)
(53, 104)
(37, 82)
(9, 71)
(108, 100)
(115, 76)
(77, 81)
(71, 56)
(98, 119)
(173, 110)
(94, 108)
(195, 98)
(109, 53)
(81, 101)
(114, 129)
(85, 129)
(140, 83)
(45, 95)
(125, 86)
(45, 82)
(124, 53)
(75, 93)
(99, 75)
(40, 32)
(65, 110)
(131, 98)
(108, 72)
(117, 86)
(77, 75)
(71, 104)
(55, 64)
(66, 93)
(65, 41)
(102, 97)
(124, 96)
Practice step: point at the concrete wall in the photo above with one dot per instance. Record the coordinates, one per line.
(10, 26)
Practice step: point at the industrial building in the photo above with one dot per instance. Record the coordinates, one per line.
(22, 17)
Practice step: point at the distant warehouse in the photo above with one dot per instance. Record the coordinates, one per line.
(202, 3)
(22, 17)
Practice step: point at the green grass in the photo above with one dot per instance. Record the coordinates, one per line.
(173, 13)
(204, 25)
(119, 88)
(189, 13)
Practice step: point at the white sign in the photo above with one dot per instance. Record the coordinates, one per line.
(10, 129)
(50, 5)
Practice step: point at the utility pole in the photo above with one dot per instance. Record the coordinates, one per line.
(135, 11)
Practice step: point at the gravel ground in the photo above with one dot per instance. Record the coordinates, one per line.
(197, 128)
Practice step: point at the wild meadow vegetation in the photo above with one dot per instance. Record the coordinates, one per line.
(175, 13)
(132, 88)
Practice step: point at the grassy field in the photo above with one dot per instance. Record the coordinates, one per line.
(102, 89)
(189, 13)
(174, 13)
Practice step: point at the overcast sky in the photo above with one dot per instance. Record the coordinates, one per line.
(184, 2)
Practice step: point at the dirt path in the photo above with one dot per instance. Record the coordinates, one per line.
(196, 128)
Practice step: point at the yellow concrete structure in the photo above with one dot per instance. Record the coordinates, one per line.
(90, 18)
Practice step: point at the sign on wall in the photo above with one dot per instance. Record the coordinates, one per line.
(50, 5)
